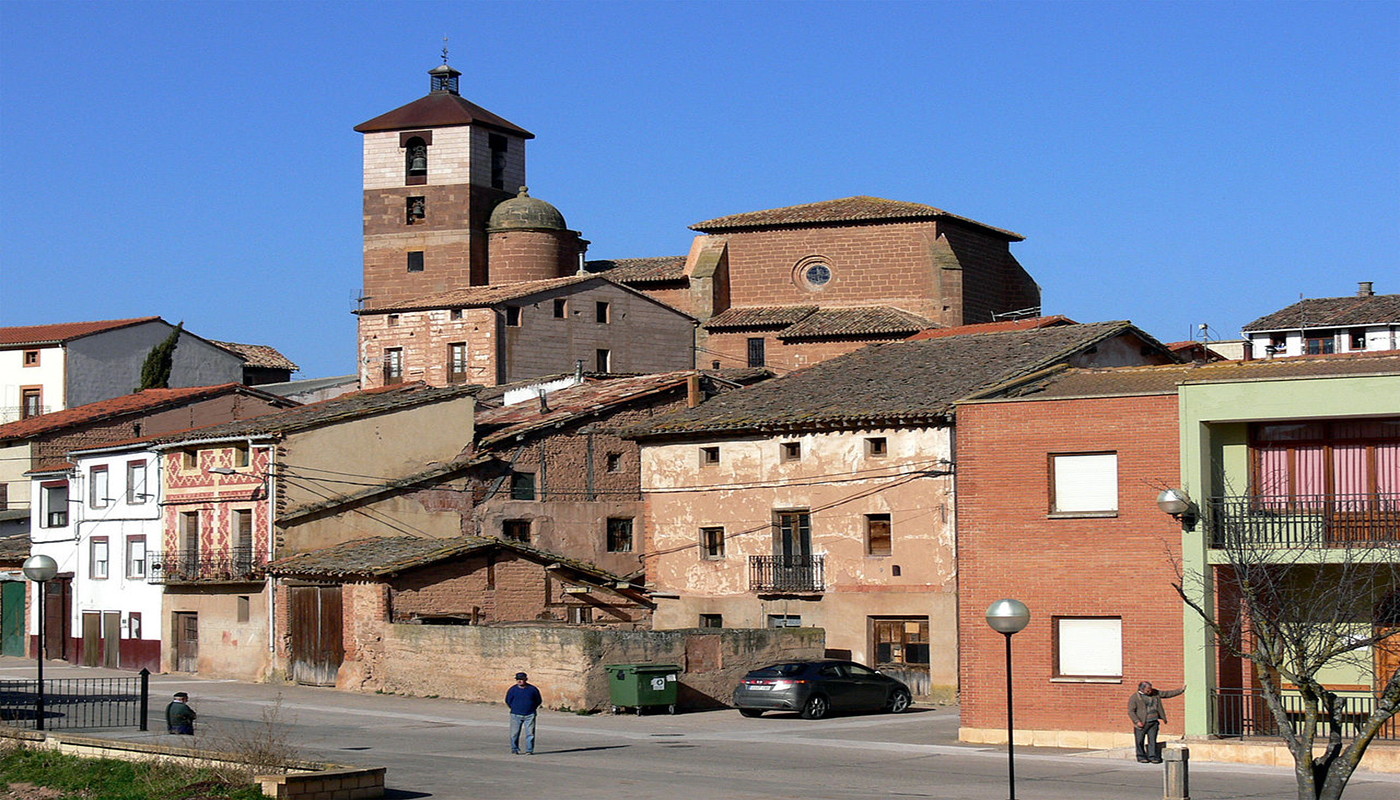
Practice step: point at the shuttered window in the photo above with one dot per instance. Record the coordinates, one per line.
(1088, 647)
(1084, 483)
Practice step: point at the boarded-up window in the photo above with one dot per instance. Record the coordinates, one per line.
(1084, 483)
(1088, 647)
(878, 541)
(902, 641)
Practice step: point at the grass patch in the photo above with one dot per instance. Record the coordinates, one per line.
(77, 778)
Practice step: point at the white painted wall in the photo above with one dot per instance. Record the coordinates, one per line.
(13, 375)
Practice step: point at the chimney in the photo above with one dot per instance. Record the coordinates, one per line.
(692, 390)
(1365, 289)
(544, 403)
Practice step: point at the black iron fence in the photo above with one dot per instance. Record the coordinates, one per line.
(199, 566)
(1244, 713)
(78, 702)
(1323, 520)
(782, 574)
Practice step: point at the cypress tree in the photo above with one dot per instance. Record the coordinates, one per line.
(155, 373)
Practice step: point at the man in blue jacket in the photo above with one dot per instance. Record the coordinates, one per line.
(524, 700)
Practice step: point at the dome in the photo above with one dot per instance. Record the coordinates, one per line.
(524, 212)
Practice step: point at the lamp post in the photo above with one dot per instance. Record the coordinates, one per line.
(41, 570)
(1009, 617)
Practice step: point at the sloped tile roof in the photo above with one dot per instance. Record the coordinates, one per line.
(142, 402)
(63, 331)
(480, 296)
(640, 270)
(861, 208)
(861, 321)
(351, 405)
(994, 327)
(893, 383)
(389, 555)
(565, 405)
(760, 317)
(259, 355)
(439, 110)
(1330, 312)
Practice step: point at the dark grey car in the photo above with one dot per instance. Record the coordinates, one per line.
(816, 688)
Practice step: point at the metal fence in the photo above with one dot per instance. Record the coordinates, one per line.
(1324, 520)
(1245, 713)
(787, 573)
(237, 565)
(78, 702)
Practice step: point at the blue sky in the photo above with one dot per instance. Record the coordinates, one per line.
(1169, 163)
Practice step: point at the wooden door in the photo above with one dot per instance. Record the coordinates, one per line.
(317, 648)
(12, 633)
(58, 617)
(111, 639)
(186, 641)
(1387, 653)
(92, 638)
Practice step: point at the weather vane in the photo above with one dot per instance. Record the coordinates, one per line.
(444, 50)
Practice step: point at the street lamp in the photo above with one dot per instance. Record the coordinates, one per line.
(1009, 617)
(41, 570)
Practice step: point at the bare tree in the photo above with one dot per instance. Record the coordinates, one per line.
(1301, 590)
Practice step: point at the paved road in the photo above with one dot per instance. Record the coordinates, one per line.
(451, 750)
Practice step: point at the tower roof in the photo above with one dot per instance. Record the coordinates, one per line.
(442, 108)
(524, 212)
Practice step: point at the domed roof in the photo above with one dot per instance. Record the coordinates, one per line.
(524, 212)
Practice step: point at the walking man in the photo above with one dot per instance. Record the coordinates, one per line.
(179, 717)
(1145, 709)
(524, 700)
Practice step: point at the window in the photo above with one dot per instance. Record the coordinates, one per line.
(1084, 483)
(1088, 647)
(55, 501)
(601, 312)
(619, 535)
(791, 451)
(136, 556)
(99, 558)
(1358, 338)
(604, 361)
(245, 607)
(784, 620)
(98, 485)
(522, 486)
(580, 615)
(457, 362)
(712, 620)
(189, 536)
(415, 209)
(415, 161)
(901, 641)
(876, 446)
(242, 455)
(561, 308)
(1320, 343)
(512, 316)
(393, 365)
(134, 624)
(31, 358)
(243, 539)
(1344, 464)
(516, 530)
(31, 402)
(757, 355)
(415, 260)
(392, 321)
(497, 143)
(878, 541)
(709, 456)
(712, 543)
(136, 483)
(455, 314)
(614, 462)
(189, 459)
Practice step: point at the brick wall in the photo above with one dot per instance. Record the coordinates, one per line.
(1120, 566)
(522, 255)
(426, 338)
(732, 350)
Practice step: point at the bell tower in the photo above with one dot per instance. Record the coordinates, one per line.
(433, 171)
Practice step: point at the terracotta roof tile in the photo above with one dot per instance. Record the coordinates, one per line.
(63, 331)
(439, 110)
(586, 399)
(480, 296)
(760, 317)
(259, 355)
(640, 270)
(142, 402)
(1330, 312)
(845, 210)
(861, 321)
(994, 327)
(384, 556)
(893, 383)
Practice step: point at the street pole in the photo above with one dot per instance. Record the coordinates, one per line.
(1009, 617)
(1010, 738)
(39, 720)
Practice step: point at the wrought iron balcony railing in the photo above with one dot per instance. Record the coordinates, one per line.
(787, 574)
(1245, 713)
(187, 566)
(1323, 520)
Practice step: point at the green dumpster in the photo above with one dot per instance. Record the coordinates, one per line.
(642, 686)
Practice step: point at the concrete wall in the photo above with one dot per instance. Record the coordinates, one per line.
(228, 648)
(108, 364)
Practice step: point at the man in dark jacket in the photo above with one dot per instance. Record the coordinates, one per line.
(1145, 709)
(179, 717)
(524, 700)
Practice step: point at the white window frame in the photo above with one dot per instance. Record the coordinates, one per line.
(1089, 648)
(101, 567)
(136, 556)
(1084, 484)
(136, 472)
(99, 486)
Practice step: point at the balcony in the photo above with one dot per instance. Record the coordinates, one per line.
(240, 565)
(1330, 520)
(1244, 713)
(787, 574)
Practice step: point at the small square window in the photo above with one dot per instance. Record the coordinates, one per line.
(242, 455)
(712, 543)
(709, 456)
(516, 530)
(454, 314)
(31, 358)
(189, 459)
(712, 620)
(878, 541)
(512, 316)
(791, 451)
(561, 308)
(619, 535)
(415, 209)
(876, 446)
(602, 312)
(1088, 647)
(392, 321)
(1084, 484)
(1358, 338)
(522, 486)
(614, 462)
(415, 261)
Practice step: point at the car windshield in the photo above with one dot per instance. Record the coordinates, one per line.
(778, 671)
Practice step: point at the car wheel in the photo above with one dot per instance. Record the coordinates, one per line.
(751, 712)
(816, 707)
(899, 701)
